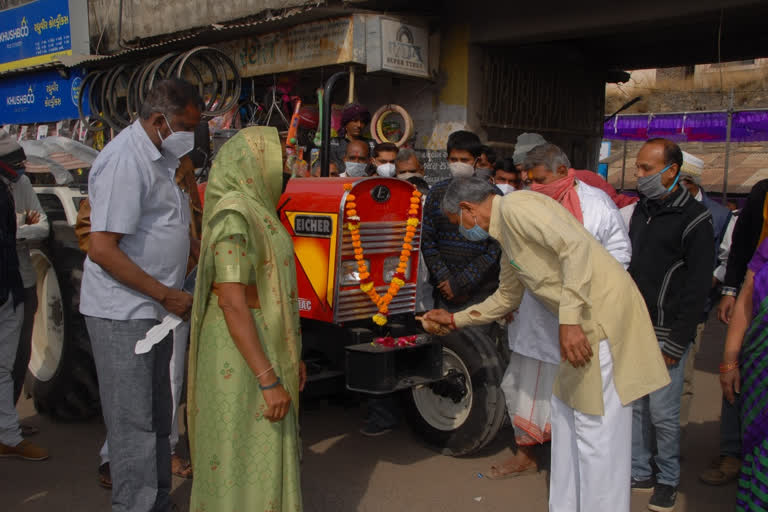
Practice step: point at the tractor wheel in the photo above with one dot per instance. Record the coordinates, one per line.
(62, 374)
(462, 413)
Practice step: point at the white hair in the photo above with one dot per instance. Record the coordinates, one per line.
(472, 190)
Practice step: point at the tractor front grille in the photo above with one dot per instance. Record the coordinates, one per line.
(377, 238)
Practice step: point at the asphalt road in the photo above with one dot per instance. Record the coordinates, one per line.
(344, 471)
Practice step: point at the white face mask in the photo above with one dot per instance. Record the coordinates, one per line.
(178, 143)
(386, 170)
(408, 175)
(461, 169)
(506, 188)
(356, 169)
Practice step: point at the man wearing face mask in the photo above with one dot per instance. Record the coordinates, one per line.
(356, 160)
(12, 296)
(354, 118)
(132, 278)
(672, 247)
(609, 358)
(506, 177)
(383, 159)
(408, 165)
(533, 335)
(463, 271)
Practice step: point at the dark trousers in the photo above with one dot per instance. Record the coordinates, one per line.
(24, 352)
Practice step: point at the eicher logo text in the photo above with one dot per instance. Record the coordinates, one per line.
(313, 225)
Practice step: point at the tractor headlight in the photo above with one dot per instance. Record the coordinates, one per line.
(390, 267)
(350, 275)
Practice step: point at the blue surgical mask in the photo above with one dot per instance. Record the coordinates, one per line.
(475, 233)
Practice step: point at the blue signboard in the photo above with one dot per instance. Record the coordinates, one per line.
(40, 98)
(39, 32)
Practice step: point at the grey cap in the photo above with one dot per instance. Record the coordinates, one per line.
(525, 143)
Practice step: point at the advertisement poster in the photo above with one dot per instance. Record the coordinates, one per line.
(40, 98)
(38, 32)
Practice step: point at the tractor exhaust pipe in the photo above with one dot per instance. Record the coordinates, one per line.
(325, 154)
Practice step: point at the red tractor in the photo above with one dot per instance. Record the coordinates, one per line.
(450, 386)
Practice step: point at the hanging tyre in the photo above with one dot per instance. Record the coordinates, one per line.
(463, 412)
(62, 375)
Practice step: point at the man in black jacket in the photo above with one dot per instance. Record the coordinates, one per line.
(672, 240)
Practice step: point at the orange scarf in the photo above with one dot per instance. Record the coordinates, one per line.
(564, 192)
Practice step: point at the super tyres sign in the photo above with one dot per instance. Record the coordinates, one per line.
(40, 98)
(41, 31)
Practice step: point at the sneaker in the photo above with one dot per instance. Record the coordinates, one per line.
(24, 450)
(373, 430)
(646, 485)
(663, 499)
(725, 469)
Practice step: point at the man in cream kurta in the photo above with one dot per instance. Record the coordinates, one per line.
(548, 252)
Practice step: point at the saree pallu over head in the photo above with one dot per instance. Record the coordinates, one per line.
(246, 180)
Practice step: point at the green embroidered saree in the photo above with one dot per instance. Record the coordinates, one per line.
(243, 461)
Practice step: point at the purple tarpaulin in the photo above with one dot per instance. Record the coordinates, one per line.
(690, 127)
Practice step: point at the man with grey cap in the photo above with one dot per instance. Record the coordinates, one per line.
(11, 303)
(525, 143)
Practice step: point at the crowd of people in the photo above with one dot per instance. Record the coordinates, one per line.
(604, 296)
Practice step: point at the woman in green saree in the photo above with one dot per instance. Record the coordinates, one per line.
(245, 370)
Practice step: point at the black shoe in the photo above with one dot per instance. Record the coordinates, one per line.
(373, 430)
(646, 485)
(663, 499)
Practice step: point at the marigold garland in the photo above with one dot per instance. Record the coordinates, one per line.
(352, 221)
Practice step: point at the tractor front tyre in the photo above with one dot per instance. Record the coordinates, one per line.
(464, 411)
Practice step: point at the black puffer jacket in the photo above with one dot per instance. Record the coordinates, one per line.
(672, 242)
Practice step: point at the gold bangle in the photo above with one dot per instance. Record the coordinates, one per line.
(728, 367)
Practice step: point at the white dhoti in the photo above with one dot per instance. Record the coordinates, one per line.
(533, 366)
(527, 387)
(592, 455)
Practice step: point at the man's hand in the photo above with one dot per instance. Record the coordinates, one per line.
(33, 217)
(670, 361)
(445, 290)
(574, 345)
(177, 302)
(440, 316)
(725, 308)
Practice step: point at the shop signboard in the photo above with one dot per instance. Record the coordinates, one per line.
(40, 98)
(39, 32)
(397, 47)
(309, 45)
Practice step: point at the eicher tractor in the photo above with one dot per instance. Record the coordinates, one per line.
(345, 265)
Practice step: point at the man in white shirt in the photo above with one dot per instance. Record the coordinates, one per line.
(533, 335)
(132, 278)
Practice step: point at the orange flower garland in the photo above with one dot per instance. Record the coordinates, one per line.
(398, 280)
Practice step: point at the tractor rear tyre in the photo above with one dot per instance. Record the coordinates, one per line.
(62, 374)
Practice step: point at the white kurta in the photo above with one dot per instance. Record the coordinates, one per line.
(534, 333)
